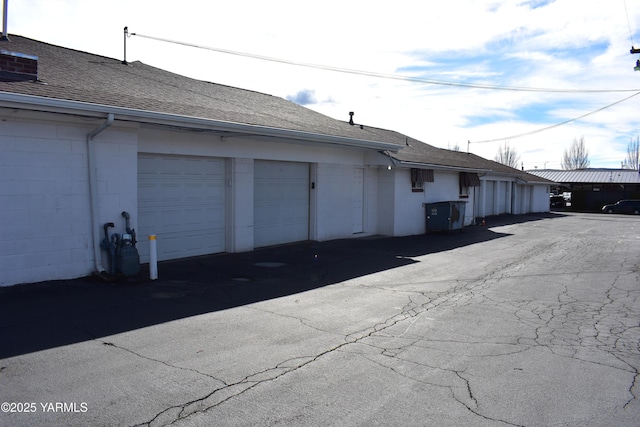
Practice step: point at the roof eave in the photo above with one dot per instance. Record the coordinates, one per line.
(534, 182)
(439, 167)
(56, 105)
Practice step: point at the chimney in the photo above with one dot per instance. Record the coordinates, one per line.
(351, 118)
(18, 67)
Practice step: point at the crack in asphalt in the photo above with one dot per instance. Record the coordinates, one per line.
(569, 324)
(411, 310)
(563, 327)
(180, 411)
(152, 359)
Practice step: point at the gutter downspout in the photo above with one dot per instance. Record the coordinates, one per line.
(93, 188)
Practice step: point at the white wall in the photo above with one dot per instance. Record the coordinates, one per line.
(371, 194)
(44, 191)
(163, 141)
(409, 214)
(446, 187)
(408, 217)
(45, 216)
(386, 206)
(540, 198)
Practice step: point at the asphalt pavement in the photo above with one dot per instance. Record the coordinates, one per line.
(529, 321)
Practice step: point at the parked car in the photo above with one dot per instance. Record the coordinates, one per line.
(556, 200)
(623, 206)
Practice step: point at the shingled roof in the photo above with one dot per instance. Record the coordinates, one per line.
(72, 75)
(424, 155)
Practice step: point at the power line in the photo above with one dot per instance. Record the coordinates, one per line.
(626, 11)
(383, 75)
(556, 125)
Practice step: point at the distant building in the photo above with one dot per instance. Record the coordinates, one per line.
(592, 188)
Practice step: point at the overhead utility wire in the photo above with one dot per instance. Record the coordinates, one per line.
(626, 11)
(382, 75)
(556, 125)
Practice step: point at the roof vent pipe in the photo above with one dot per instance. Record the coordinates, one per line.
(126, 34)
(351, 118)
(4, 37)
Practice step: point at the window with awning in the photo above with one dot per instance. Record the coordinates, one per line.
(419, 177)
(469, 179)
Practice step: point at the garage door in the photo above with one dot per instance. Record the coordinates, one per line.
(181, 199)
(501, 193)
(489, 200)
(281, 202)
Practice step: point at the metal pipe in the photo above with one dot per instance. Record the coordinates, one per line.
(93, 197)
(126, 33)
(5, 14)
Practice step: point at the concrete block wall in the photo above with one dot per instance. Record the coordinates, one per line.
(43, 203)
(116, 162)
(45, 221)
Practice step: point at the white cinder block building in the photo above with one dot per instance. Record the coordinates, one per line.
(205, 167)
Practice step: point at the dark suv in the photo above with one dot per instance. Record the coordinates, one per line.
(623, 206)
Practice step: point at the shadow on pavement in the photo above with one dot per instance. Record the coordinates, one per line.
(46, 315)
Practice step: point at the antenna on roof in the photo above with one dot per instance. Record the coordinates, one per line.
(5, 37)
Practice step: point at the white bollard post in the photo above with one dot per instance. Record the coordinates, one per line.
(153, 258)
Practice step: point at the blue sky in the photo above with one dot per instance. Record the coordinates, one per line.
(565, 45)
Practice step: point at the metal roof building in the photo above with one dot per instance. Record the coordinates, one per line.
(592, 188)
(591, 176)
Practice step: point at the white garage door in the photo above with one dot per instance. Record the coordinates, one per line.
(181, 200)
(281, 202)
(501, 193)
(489, 200)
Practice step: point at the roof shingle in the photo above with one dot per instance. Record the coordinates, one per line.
(72, 75)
